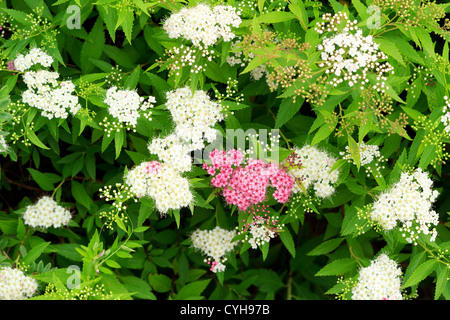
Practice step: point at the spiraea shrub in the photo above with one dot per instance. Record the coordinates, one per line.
(224, 149)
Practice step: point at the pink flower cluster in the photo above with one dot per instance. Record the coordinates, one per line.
(246, 184)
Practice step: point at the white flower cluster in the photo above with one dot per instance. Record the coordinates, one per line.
(215, 244)
(379, 281)
(44, 92)
(409, 202)
(35, 56)
(349, 55)
(3, 144)
(194, 116)
(446, 117)
(203, 25)
(126, 104)
(162, 183)
(367, 153)
(316, 171)
(172, 151)
(46, 213)
(260, 235)
(15, 285)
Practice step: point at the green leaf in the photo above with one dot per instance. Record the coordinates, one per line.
(323, 133)
(422, 271)
(160, 282)
(112, 264)
(34, 139)
(425, 40)
(119, 140)
(441, 281)
(326, 247)
(192, 290)
(127, 24)
(133, 79)
(80, 194)
(286, 239)
(337, 267)
(42, 179)
(354, 151)
(34, 253)
(287, 110)
(92, 47)
(300, 12)
(390, 49)
(138, 286)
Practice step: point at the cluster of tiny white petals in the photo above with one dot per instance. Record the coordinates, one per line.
(409, 202)
(202, 25)
(315, 171)
(3, 144)
(44, 92)
(15, 285)
(35, 56)
(349, 55)
(379, 281)
(260, 235)
(367, 153)
(194, 116)
(215, 244)
(172, 151)
(46, 213)
(162, 183)
(446, 117)
(125, 105)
